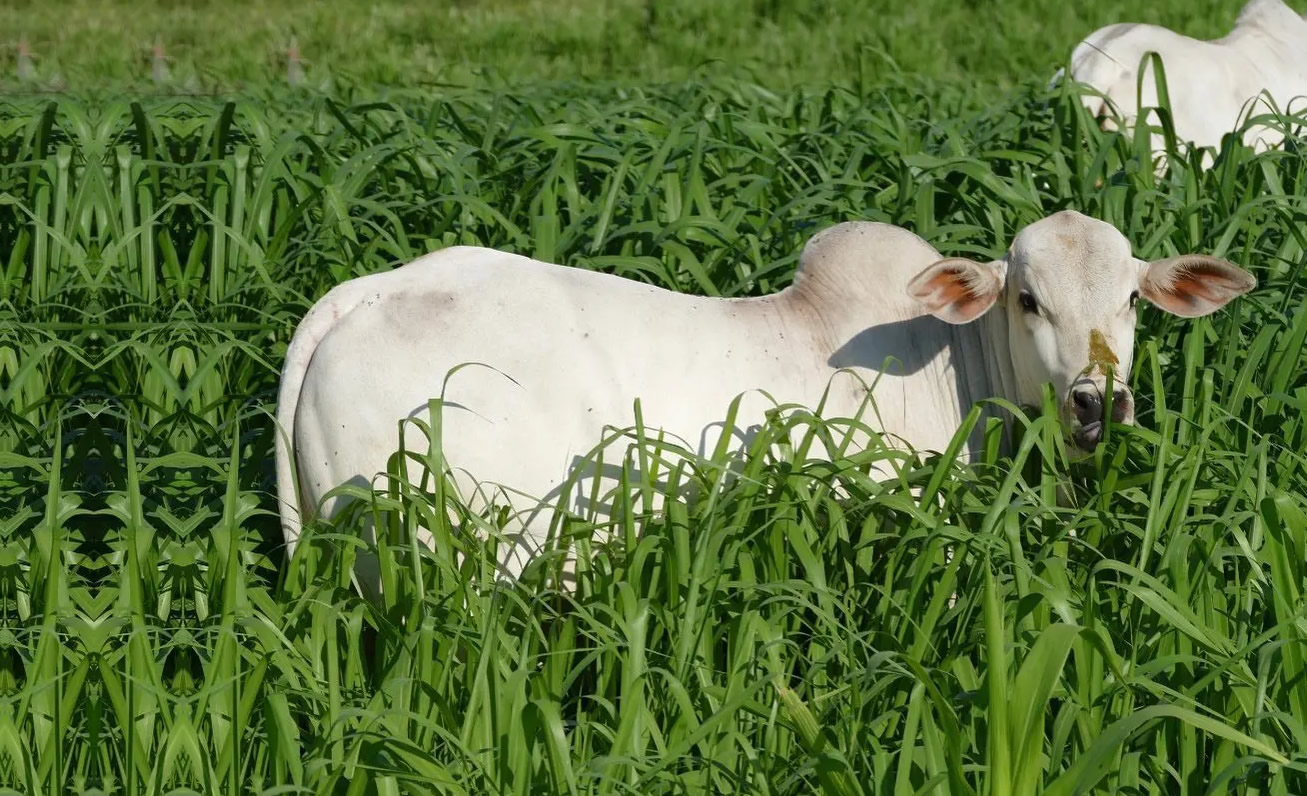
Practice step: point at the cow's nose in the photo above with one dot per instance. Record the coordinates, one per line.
(1089, 406)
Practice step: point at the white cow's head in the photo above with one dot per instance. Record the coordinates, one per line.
(1069, 286)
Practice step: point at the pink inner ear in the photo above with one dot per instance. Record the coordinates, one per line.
(1194, 289)
(1194, 284)
(951, 289)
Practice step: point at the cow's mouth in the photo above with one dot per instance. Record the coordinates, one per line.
(1087, 437)
(1086, 417)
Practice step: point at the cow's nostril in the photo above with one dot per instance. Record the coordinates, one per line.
(1089, 406)
(1120, 405)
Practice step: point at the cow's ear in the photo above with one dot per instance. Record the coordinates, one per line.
(1193, 284)
(958, 290)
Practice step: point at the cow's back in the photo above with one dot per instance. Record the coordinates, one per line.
(1198, 73)
(550, 356)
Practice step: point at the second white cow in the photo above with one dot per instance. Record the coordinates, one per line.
(1210, 83)
(580, 346)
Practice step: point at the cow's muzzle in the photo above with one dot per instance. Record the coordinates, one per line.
(1087, 410)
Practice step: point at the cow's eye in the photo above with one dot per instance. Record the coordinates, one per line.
(1027, 302)
(1134, 299)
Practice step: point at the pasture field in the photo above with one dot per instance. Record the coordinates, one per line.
(990, 45)
(782, 636)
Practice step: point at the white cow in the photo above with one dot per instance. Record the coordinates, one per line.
(580, 346)
(1210, 83)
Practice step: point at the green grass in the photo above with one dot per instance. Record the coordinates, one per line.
(793, 633)
(990, 45)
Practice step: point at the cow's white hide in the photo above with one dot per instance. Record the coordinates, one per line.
(581, 346)
(1211, 84)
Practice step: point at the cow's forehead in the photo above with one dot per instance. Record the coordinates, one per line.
(1068, 248)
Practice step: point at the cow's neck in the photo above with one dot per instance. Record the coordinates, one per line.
(1000, 376)
(982, 359)
(978, 365)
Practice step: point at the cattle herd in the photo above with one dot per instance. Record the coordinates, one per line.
(533, 362)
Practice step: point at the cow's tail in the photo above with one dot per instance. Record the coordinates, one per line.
(1057, 78)
(315, 325)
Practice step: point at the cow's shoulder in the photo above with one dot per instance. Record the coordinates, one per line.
(849, 244)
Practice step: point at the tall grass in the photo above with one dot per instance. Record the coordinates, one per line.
(799, 629)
